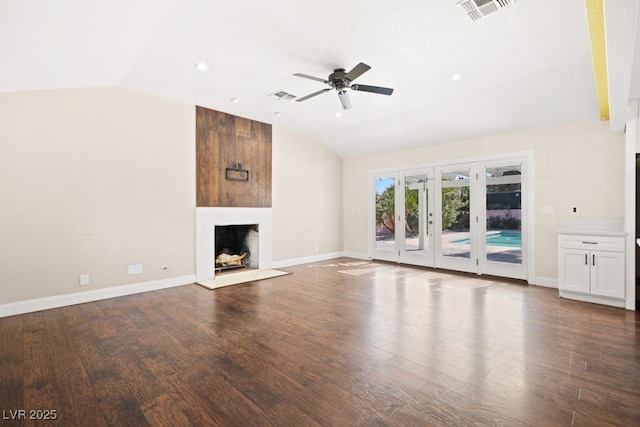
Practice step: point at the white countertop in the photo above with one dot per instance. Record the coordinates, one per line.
(591, 232)
(592, 226)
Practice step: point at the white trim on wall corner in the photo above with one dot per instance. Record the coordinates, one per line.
(632, 147)
(547, 282)
(30, 306)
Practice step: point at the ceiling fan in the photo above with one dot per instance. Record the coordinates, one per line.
(340, 80)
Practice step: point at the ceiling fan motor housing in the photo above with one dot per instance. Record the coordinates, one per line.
(337, 80)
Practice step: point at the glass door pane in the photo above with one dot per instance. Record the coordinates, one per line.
(385, 212)
(455, 219)
(503, 240)
(415, 213)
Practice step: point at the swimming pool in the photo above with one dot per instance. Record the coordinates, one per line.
(508, 239)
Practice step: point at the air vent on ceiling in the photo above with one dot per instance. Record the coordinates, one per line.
(477, 9)
(281, 95)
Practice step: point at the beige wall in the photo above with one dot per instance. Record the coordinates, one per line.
(93, 180)
(307, 197)
(580, 164)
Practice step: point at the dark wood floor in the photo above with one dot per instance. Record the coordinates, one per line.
(339, 343)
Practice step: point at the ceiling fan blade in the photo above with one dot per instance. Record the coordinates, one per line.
(344, 99)
(373, 89)
(357, 71)
(304, 98)
(304, 76)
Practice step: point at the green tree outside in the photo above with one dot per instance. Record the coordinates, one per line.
(455, 204)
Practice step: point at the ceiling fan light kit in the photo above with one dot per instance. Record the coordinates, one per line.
(340, 80)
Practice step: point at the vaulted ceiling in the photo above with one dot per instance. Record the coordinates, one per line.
(525, 66)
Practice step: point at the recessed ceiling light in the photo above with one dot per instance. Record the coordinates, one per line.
(278, 113)
(456, 77)
(201, 66)
(337, 114)
(234, 100)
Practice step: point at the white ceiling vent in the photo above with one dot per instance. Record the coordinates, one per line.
(281, 95)
(477, 9)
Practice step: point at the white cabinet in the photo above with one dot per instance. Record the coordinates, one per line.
(607, 274)
(591, 267)
(573, 272)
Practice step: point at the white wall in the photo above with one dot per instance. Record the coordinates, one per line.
(92, 180)
(579, 164)
(307, 199)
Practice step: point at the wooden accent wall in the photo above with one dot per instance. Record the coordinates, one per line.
(222, 140)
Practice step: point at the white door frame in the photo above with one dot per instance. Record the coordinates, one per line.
(423, 257)
(505, 269)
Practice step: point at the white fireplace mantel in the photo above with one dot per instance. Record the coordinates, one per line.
(206, 221)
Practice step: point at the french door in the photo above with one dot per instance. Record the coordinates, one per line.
(404, 217)
(456, 236)
(465, 217)
(503, 218)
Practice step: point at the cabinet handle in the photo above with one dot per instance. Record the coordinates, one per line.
(586, 259)
(590, 243)
(593, 260)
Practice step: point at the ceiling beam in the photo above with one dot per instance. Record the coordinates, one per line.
(595, 21)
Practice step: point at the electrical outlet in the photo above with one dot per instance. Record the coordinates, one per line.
(574, 209)
(135, 269)
(84, 279)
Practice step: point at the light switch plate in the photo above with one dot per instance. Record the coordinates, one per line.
(135, 269)
(547, 210)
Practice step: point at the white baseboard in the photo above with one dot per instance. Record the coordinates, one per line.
(306, 260)
(547, 282)
(29, 306)
(356, 255)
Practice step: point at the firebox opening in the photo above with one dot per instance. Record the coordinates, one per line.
(236, 247)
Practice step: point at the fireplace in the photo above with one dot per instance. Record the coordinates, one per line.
(254, 223)
(236, 247)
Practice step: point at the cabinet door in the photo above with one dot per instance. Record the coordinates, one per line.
(573, 270)
(607, 274)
